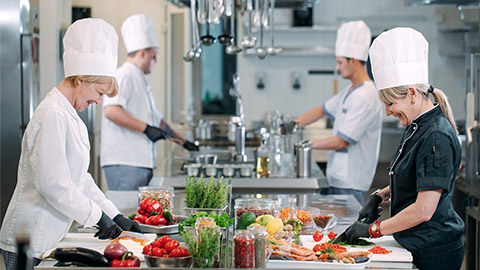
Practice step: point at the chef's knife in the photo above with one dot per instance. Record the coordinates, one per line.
(366, 220)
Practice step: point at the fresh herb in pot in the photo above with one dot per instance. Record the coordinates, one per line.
(206, 193)
(223, 220)
(204, 246)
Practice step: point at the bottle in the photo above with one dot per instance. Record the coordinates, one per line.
(244, 249)
(260, 244)
(263, 159)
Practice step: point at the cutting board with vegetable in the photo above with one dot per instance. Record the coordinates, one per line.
(398, 254)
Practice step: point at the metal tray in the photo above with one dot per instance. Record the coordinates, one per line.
(168, 229)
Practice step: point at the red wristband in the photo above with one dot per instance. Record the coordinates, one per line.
(374, 230)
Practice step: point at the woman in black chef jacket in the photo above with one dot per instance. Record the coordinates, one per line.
(422, 172)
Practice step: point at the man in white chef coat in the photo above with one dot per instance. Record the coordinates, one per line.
(54, 187)
(357, 114)
(131, 123)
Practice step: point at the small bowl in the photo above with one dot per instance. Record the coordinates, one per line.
(324, 221)
(246, 170)
(193, 169)
(160, 262)
(307, 222)
(228, 170)
(211, 169)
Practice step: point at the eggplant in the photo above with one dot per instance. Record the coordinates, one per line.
(82, 255)
(70, 264)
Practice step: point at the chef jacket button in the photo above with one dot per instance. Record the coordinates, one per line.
(390, 173)
(400, 150)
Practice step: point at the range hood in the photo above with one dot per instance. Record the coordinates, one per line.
(295, 4)
(443, 2)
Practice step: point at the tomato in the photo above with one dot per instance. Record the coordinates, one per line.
(141, 211)
(147, 249)
(169, 246)
(157, 251)
(316, 248)
(318, 236)
(145, 203)
(159, 220)
(185, 252)
(176, 253)
(332, 235)
(166, 255)
(164, 239)
(158, 244)
(140, 218)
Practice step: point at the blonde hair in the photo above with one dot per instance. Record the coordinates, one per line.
(389, 95)
(111, 91)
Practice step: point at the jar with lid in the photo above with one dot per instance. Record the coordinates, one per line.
(257, 206)
(260, 236)
(163, 194)
(244, 249)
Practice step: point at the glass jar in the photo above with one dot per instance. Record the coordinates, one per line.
(244, 249)
(163, 194)
(258, 206)
(260, 244)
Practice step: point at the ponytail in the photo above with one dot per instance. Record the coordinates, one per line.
(389, 95)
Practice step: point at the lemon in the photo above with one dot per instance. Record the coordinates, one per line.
(274, 225)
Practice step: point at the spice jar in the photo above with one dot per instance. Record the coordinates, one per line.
(244, 249)
(258, 206)
(260, 244)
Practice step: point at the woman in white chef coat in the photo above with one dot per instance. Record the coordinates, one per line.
(354, 146)
(54, 187)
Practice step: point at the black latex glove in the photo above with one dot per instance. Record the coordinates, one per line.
(108, 228)
(154, 133)
(127, 224)
(370, 211)
(356, 230)
(190, 146)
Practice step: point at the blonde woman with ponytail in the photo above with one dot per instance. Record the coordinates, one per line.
(423, 169)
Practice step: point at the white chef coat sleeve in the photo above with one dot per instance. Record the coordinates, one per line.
(94, 192)
(358, 117)
(330, 106)
(48, 152)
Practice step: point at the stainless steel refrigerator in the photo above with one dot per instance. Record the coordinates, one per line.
(19, 85)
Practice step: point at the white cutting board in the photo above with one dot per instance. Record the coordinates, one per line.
(87, 240)
(398, 254)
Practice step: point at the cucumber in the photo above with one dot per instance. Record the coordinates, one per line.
(167, 214)
(81, 255)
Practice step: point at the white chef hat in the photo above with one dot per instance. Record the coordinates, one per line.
(353, 40)
(90, 47)
(399, 57)
(138, 33)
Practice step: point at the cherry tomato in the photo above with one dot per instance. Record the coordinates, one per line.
(185, 252)
(318, 236)
(176, 253)
(164, 239)
(158, 244)
(147, 249)
(157, 251)
(316, 248)
(169, 246)
(332, 235)
(165, 255)
(141, 211)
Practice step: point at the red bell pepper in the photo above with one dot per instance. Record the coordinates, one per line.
(128, 260)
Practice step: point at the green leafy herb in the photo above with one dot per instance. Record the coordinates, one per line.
(223, 220)
(203, 247)
(206, 193)
(355, 242)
